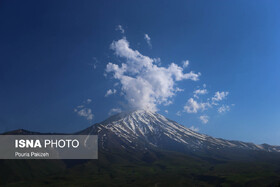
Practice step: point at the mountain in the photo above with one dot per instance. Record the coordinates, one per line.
(144, 148)
(143, 130)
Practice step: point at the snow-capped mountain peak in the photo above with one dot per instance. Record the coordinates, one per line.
(141, 123)
(144, 129)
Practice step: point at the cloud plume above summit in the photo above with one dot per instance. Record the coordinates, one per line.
(144, 83)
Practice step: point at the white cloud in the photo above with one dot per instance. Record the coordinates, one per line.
(178, 113)
(192, 106)
(144, 83)
(167, 103)
(193, 128)
(96, 61)
(179, 90)
(166, 111)
(219, 96)
(84, 112)
(89, 101)
(199, 92)
(120, 28)
(204, 119)
(81, 106)
(148, 39)
(157, 61)
(186, 63)
(223, 109)
(114, 111)
(110, 92)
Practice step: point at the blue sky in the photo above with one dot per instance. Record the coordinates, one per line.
(54, 58)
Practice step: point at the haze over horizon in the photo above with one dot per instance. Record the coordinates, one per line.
(213, 68)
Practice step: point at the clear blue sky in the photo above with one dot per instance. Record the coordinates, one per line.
(53, 57)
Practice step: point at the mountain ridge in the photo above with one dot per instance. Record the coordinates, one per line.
(142, 129)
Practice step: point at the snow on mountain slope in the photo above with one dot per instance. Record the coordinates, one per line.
(146, 129)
